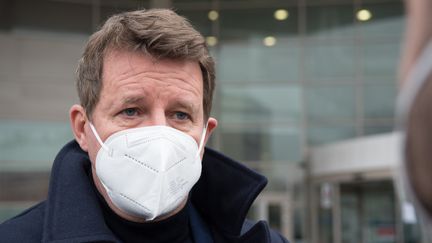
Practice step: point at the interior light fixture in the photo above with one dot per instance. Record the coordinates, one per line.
(364, 15)
(281, 14)
(213, 15)
(269, 41)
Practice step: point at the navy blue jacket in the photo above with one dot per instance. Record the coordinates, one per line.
(72, 213)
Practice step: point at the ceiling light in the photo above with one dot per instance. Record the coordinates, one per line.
(211, 40)
(364, 15)
(269, 41)
(281, 14)
(213, 15)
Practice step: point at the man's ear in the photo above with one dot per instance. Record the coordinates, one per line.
(78, 121)
(211, 125)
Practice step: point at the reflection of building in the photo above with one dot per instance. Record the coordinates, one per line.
(318, 76)
(245, 108)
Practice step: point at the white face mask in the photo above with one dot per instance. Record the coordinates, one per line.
(148, 171)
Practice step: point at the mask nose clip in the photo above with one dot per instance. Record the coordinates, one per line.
(110, 151)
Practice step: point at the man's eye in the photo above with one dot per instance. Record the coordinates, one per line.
(130, 112)
(181, 115)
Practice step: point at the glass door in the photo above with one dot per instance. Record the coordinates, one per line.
(368, 212)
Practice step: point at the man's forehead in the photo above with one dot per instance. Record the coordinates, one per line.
(145, 61)
(123, 65)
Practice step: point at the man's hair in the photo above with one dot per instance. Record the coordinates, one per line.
(160, 33)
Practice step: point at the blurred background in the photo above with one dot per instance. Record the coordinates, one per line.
(305, 95)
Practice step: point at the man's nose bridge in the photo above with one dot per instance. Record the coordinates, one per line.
(157, 118)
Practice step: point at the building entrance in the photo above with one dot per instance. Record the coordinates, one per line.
(368, 212)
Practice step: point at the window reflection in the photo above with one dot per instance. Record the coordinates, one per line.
(250, 22)
(332, 102)
(264, 144)
(379, 100)
(385, 16)
(261, 104)
(253, 61)
(385, 58)
(40, 141)
(371, 129)
(322, 133)
(335, 62)
(330, 21)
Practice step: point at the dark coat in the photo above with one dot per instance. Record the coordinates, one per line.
(72, 213)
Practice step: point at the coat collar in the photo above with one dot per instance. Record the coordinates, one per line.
(225, 192)
(72, 209)
(222, 196)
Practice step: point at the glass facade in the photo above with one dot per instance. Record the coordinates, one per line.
(314, 72)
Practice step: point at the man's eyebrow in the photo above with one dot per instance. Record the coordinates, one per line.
(191, 106)
(132, 100)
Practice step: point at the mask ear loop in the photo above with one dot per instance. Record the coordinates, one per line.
(99, 139)
(201, 144)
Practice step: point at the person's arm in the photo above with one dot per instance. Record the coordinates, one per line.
(418, 33)
(417, 117)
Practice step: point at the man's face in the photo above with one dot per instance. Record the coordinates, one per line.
(138, 91)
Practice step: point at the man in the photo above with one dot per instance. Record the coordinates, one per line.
(415, 115)
(134, 172)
